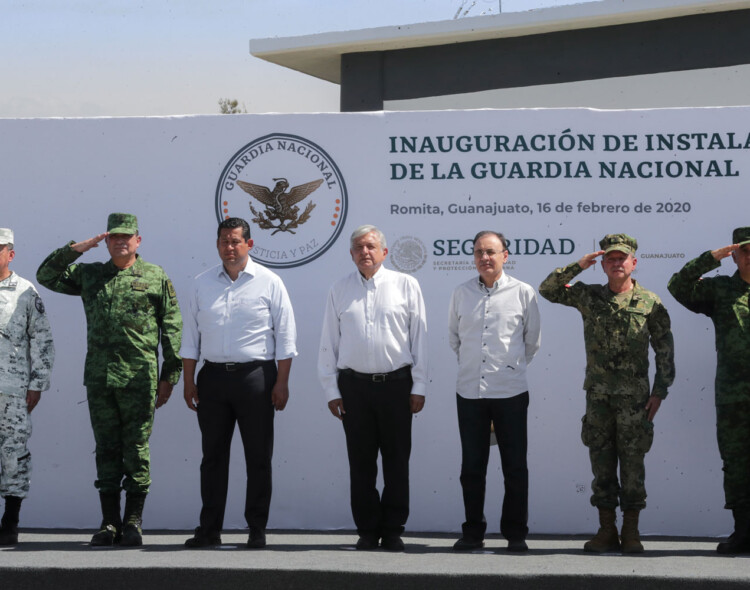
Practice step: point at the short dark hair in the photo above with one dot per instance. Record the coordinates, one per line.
(488, 232)
(234, 223)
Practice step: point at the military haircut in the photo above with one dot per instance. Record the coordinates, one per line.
(234, 223)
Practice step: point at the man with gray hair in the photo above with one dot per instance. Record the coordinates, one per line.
(372, 364)
(28, 353)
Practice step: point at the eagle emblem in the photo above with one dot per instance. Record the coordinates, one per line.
(281, 213)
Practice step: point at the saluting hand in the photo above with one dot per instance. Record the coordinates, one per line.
(589, 259)
(720, 253)
(90, 243)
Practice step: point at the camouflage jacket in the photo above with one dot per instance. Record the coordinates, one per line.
(617, 333)
(26, 346)
(127, 312)
(725, 300)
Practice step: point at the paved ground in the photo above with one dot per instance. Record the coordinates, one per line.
(294, 559)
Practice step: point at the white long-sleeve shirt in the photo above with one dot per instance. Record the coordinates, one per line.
(374, 326)
(495, 333)
(26, 346)
(250, 319)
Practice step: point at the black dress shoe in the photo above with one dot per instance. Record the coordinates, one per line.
(203, 539)
(257, 539)
(734, 545)
(366, 543)
(518, 546)
(464, 544)
(392, 543)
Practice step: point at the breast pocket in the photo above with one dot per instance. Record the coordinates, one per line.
(637, 323)
(139, 312)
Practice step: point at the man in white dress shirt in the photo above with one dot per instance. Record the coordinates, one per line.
(373, 367)
(494, 330)
(240, 321)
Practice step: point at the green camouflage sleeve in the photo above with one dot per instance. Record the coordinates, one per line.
(170, 325)
(687, 288)
(660, 329)
(58, 273)
(555, 287)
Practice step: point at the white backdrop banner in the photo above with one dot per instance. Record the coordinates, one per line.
(553, 181)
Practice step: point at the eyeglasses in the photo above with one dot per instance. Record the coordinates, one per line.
(489, 253)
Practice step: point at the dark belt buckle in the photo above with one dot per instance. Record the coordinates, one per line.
(379, 377)
(230, 367)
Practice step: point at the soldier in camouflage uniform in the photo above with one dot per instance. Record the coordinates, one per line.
(620, 319)
(130, 306)
(27, 354)
(725, 300)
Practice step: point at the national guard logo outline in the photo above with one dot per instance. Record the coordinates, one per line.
(292, 194)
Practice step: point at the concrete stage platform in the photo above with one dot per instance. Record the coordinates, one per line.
(62, 560)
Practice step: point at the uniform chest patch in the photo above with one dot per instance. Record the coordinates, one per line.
(139, 286)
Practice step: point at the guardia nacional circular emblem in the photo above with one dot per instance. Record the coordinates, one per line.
(292, 194)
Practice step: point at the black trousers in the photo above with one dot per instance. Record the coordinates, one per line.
(225, 398)
(509, 417)
(378, 419)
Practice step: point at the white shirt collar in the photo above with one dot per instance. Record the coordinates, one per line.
(498, 283)
(249, 269)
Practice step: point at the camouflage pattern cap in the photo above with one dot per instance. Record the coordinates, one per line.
(741, 236)
(122, 223)
(6, 236)
(619, 242)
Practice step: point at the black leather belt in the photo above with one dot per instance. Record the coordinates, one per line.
(229, 367)
(397, 375)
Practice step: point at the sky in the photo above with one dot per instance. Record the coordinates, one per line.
(93, 58)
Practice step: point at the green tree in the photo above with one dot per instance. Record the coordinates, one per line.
(228, 106)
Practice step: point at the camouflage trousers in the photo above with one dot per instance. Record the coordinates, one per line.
(733, 434)
(122, 420)
(15, 458)
(616, 430)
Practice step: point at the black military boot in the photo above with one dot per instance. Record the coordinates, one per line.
(132, 535)
(110, 529)
(739, 541)
(9, 522)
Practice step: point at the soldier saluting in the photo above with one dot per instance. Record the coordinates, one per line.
(726, 300)
(620, 320)
(130, 307)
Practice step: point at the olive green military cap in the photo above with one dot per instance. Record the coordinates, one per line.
(619, 242)
(741, 236)
(6, 236)
(122, 223)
